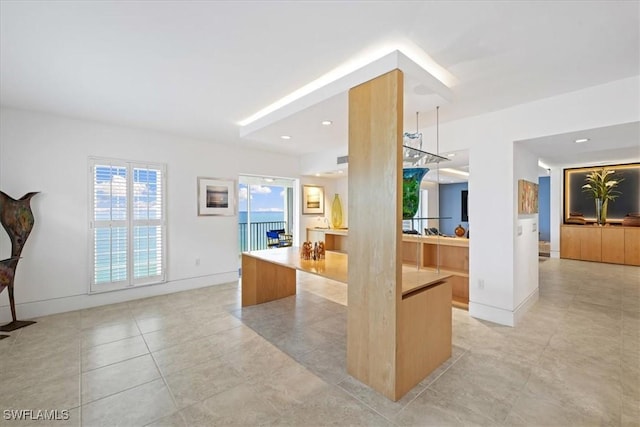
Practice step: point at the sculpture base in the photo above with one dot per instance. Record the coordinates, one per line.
(16, 325)
(4, 336)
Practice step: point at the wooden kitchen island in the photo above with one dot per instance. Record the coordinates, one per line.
(424, 314)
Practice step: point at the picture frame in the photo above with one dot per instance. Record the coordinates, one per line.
(527, 197)
(312, 200)
(216, 196)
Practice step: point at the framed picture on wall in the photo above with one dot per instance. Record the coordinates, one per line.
(312, 200)
(527, 197)
(216, 196)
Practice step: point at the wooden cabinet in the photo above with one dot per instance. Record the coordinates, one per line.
(570, 242)
(611, 244)
(632, 246)
(591, 244)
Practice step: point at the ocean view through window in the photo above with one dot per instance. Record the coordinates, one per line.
(264, 204)
(128, 227)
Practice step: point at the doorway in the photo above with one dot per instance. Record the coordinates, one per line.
(264, 203)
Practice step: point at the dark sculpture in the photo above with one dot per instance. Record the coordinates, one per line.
(17, 219)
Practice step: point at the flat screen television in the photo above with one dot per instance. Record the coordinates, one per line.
(465, 213)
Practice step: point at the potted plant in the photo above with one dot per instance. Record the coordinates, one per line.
(601, 184)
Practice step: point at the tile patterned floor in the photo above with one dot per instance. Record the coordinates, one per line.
(197, 359)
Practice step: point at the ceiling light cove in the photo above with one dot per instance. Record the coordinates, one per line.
(454, 171)
(364, 59)
(543, 165)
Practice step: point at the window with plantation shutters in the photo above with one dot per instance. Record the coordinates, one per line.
(127, 227)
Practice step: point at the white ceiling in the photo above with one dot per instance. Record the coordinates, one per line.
(198, 68)
(605, 145)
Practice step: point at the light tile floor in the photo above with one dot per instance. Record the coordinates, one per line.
(197, 359)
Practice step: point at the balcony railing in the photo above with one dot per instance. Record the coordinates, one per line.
(258, 234)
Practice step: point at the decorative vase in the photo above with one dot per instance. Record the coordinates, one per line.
(601, 211)
(411, 179)
(336, 212)
(459, 230)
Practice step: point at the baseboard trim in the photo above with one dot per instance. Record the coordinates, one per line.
(525, 305)
(36, 309)
(492, 314)
(502, 316)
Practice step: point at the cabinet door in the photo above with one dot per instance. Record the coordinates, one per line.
(632, 246)
(591, 244)
(613, 245)
(570, 242)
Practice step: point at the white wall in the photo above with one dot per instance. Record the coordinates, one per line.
(490, 138)
(433, 203)
(555, 211)
(525, 243)
(47, 153)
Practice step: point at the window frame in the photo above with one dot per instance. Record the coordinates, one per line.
(129, 223)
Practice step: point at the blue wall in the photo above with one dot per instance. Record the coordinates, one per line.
(544, 197)
(451, 206)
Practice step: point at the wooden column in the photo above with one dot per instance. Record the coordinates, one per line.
(375, 231)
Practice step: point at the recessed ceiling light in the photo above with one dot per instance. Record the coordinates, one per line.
(327, 122)
(581, 140)
(317, 174)
(285, 137)
(451, 155)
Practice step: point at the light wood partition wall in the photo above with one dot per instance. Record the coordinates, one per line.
(375, 232)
